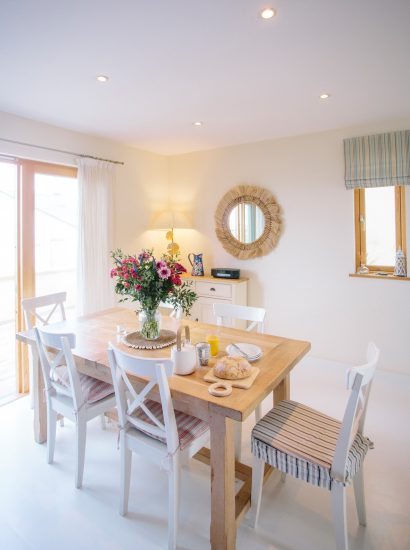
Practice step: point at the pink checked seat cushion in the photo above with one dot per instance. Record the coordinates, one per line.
(93, 390)
(189, 427)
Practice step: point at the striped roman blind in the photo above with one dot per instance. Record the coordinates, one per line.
(377, 161)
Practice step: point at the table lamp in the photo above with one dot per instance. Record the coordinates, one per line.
(169, 220)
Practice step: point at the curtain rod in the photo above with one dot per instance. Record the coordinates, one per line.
(60, 151)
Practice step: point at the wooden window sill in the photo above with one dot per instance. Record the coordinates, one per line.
(376, 275)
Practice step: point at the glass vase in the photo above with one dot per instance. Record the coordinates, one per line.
(150, 322)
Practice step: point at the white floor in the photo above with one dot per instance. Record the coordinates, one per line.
(41, 509)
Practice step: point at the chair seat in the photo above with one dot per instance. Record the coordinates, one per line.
(93, 390)
(189, 427)
(301, 441)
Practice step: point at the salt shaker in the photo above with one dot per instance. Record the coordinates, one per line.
(203, 349)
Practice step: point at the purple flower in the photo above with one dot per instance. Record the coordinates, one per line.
(164, 272)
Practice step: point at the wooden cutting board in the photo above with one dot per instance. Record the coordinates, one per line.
(244, 383)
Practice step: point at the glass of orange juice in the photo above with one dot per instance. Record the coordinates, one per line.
(213, 341)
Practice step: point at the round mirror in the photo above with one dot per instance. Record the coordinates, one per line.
(246, 222)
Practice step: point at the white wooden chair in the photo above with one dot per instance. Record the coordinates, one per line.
(225, 314)
(153, 429)
(76, 396)
(173, 312)
(41, 310)
(316, 448)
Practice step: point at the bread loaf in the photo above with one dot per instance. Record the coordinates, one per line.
(232, 367)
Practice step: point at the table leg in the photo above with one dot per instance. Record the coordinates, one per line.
(223, 525)
(282, 391)
(40, 408)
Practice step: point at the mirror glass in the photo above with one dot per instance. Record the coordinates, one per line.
(246, 222)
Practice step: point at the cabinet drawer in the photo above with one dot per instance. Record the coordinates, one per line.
(218, 290)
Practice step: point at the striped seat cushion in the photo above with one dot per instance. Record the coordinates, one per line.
(301, 441)
(93, 390)
(189, 427)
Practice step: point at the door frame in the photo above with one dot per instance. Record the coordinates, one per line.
(26, 261)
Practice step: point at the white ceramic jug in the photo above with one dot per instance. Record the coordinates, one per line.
(184, 353)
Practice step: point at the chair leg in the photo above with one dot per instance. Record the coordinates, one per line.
(258, 469)
(102, 420)
(173, 502)
(338, 494)
(81, 436)
(238, 440)
(51, 433)
(126, 461)
(358, 484)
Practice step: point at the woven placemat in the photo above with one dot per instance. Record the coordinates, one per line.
(135, 340)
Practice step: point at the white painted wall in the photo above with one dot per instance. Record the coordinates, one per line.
(304, 282)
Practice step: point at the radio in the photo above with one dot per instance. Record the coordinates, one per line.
(225, 273)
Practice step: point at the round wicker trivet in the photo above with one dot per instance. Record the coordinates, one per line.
(135, 340)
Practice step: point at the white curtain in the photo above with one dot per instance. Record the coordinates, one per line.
(95, 182)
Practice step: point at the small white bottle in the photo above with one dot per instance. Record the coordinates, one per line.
(400, 269)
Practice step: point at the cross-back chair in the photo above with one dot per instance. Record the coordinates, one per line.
(318, 449)
(42, 311)
(76, 396)
(152, 429)
(175, 313)
(225, 314)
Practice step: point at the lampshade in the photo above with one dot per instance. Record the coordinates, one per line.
(169, 219)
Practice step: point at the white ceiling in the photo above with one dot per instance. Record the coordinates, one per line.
(172, 62)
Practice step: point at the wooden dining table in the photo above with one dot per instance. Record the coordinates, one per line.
(190, 395)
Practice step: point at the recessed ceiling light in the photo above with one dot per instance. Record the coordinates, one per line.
(267, 13)
(197, 123)
(324, 96)
(102, 78)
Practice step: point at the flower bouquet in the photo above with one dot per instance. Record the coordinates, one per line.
(149, 281)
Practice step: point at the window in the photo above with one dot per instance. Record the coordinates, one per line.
(380, 226)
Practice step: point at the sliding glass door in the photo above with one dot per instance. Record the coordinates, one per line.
(8, 280)
(56, 230)
(38, 247)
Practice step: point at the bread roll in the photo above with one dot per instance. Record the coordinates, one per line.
(232, 367)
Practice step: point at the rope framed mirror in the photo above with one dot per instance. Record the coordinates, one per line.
(248, 221)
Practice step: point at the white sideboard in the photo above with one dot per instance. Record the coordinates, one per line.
(211, 290)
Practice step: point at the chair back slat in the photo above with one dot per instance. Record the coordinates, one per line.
(225, 313)
(33, 308)
(359, 382)
(129, 400)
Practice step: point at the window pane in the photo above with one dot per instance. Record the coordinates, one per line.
(380, 226)
(56, 236)
(8, 181)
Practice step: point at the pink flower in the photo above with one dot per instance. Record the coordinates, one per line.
(161, 264)
(127, 285)
(164, 272)
(126, 276)
(113, 272)
(137, 287)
